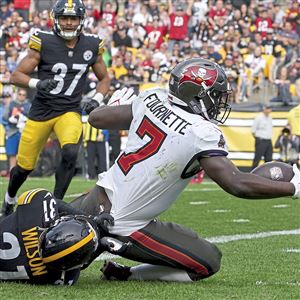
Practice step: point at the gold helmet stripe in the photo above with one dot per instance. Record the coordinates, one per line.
(70, 4)
(69, 250)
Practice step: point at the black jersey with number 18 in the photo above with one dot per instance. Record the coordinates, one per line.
(68, 66)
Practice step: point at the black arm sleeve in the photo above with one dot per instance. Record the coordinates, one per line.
(66, 209)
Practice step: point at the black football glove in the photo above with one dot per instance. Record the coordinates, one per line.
(46, 85)
(104, 220)
(91, 105)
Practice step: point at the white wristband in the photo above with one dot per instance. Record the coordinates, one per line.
(33, 82)
(98, 97)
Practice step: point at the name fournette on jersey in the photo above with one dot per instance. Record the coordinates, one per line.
(165, 115)
(31, 244)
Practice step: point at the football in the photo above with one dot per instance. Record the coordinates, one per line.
(275, 170)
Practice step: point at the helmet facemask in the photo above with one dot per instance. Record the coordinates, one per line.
(212, 105)
(68, 35)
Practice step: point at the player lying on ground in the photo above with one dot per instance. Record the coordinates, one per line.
(172, 135)
(45, 241)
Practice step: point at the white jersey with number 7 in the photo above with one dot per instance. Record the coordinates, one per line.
(160, 157)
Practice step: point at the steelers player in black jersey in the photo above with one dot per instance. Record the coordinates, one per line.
(63, 58)
(51, 245)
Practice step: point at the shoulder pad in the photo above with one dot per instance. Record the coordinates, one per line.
(36, 39)
(98, 40)
(27, 196)
(152, 91)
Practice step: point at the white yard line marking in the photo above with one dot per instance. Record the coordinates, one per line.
(202, 190)
(221, 210)
(263, 283)
(73, 195)
(240, 220)
(205, 183)
(280, 206)
(291, 250)
(230, 238)
(198, 202)
(250, 236)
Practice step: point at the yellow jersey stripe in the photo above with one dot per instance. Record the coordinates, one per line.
(69, 250)
(34, 45)
(27, 196)
(101, 48)
(36, 39)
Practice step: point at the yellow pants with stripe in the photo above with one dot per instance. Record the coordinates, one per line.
(67, 128)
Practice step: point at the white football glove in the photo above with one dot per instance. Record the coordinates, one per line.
(121, 97)
(296, 181)
(21, 122)
(13, 119)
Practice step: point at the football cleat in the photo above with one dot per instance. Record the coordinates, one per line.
(114, 271)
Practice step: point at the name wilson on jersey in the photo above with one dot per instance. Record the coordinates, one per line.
(31, 244)
(165, 115)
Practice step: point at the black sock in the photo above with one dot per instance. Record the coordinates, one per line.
(65, 170)
(16, 179)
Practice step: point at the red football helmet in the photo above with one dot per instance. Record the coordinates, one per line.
(200, 86)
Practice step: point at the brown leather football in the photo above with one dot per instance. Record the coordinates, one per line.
(275, 170)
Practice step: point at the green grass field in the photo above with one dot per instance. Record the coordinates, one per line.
(260, 241)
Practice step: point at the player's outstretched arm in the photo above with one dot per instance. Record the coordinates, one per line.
(21, 76)
(244, 185)
(111, 117)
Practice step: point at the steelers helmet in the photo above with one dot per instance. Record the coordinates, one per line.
(200, 86)
(69, 243)
(68, 8)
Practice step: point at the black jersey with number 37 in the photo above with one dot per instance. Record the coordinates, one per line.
(68, 66)
(19, 237)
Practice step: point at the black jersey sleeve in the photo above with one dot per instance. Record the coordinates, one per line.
(66, 209)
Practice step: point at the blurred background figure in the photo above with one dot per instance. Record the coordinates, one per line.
(262, 132)
(97, 150)
(288, 146)
(283, 84)
(15, 114)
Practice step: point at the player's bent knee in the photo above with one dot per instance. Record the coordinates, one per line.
(69, 153)
(212, 265)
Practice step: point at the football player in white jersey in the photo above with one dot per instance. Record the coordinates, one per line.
(172, 136)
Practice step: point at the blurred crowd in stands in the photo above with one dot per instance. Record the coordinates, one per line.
(256, 42)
